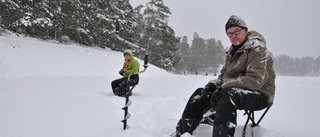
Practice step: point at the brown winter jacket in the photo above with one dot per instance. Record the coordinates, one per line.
(250, 67)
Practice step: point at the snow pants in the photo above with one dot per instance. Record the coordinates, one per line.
(120, 87)
(225, 102)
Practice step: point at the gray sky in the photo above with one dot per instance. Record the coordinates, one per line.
(291, 27)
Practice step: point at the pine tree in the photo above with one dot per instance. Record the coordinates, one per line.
(158, 35)
(184, 53)
(307, 65)
(10, 13)
(198, 55)
(123, 12)
(215, 55)
(138, 25)
(316, 67)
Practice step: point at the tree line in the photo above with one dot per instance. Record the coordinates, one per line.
(290, 66)
(203, 56)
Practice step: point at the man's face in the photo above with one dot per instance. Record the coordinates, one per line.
(237, 35)
(127, 56)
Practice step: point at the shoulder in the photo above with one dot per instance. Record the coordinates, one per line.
(255, 40)
(134, 61)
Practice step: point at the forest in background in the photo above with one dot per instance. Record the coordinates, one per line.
(94, 22)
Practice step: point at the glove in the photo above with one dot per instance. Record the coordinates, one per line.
(208, 90)
(121, 72)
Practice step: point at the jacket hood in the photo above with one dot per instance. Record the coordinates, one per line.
(253, 35)
(129, 52)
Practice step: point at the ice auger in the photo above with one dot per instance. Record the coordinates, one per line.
(128, 89)
(127, 95)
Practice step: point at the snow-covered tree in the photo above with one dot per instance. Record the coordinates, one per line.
(215, 55)
(289, 66)
(316, 66)
(184, 53)
(158, 35)
(198, 55)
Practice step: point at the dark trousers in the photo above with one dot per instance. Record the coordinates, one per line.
(120, 86)
(225, 102)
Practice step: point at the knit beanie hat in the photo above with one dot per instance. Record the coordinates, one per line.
(235, 21)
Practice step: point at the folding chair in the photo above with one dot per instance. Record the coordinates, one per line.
(250, 115)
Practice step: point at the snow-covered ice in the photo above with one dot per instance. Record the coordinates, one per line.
(59, 90)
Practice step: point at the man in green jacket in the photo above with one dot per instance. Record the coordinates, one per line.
(130, 66)
(247, 81)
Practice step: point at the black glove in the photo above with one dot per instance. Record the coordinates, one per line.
(121, 72)
(208, 90)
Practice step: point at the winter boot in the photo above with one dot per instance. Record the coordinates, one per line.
(186, 125)
(175, 134)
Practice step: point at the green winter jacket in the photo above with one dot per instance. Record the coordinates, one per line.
(131, 66)
(250, 67)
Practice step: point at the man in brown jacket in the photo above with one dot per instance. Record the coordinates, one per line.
(247, 81)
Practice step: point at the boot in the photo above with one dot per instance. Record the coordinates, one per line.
(186, 125)
(175, 135)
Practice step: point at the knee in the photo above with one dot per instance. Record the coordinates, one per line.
(227, 93)
(196, 95)
(222, 94)
(113, 82)
(198, 91)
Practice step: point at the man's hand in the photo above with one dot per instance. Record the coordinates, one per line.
(208, 90)
(121, 72)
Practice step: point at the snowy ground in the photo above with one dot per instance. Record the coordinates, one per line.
(57, 90)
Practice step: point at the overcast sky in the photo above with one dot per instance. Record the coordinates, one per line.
(291, 27)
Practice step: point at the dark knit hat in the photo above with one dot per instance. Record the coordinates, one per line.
(235, 21)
